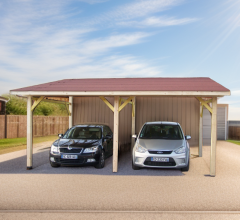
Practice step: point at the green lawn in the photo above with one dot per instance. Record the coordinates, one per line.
(13, 144)
(234, 142)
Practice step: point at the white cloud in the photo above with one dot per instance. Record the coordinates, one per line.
(93, 1)
(235, 92)
(234, 113)
(157, 22)
(134, 10)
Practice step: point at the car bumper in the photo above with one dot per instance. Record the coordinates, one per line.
(82, 159)
(175, 160)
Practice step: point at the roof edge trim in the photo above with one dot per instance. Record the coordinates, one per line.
(123, 93)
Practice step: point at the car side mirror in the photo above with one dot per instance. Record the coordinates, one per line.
(108, 136)
(188, 137)
(60, 135)
(134, 136)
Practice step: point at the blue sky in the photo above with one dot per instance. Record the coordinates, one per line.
(42, 41)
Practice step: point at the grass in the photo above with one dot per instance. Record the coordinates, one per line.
(234, 142)
(14, 144)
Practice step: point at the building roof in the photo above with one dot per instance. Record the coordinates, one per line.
(198, 84)
(3, 99)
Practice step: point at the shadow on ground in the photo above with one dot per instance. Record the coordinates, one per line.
(41, 165)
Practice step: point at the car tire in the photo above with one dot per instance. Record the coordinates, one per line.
(101, 162)
(185, 169)
(54, 164)
(135, 167)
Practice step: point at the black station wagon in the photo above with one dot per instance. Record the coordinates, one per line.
(88, 144)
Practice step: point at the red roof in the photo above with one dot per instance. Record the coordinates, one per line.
(129, 84)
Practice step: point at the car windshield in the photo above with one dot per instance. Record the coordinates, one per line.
(161, 131)
(83, 133)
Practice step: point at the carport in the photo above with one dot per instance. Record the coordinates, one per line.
(165, 99)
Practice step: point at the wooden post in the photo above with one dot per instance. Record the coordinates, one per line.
(70, 111)
(213, 138)
(29, 134)
(5, 133)
(133, 121)
(200, 131)
(115, 135)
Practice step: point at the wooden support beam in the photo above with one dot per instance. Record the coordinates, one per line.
(70, 110)
(125, 103)
(133, 121)
(125, 100)
(36, 103)
(115, 135)
(205, 104)
(29, 133)
(200, 131)
(213, 138)
(107, 103)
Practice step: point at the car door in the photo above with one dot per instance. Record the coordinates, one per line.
(110, 140)
(105, 141)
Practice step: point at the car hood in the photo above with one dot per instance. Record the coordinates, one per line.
(76, 143)
(161, 144)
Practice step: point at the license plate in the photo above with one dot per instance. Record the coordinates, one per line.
(159, 159)
(65, 156)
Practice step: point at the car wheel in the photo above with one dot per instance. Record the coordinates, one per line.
(185, 169)
(135, 167)
(54, 164)
(101, 161)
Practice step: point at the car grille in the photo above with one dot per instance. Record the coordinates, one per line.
(70, 161)
(171, 163)
(72, 151)
(163, 152)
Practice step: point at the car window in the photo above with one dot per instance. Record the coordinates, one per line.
(106, 131)
(84, 133)
(109, 132)
(161, 131)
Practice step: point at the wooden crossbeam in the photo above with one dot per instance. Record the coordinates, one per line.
(107, 103)
(133, 105)
(125, 103)
(204, 103)
(120, 101)
(36, 103)
(201, 114)
(125, 100)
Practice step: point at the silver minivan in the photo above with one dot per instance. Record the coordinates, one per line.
(161, 144)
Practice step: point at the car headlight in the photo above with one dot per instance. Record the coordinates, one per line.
(180, 150)
(54, 149)
(140, 149)
(90, 149)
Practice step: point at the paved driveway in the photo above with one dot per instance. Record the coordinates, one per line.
(85, 188)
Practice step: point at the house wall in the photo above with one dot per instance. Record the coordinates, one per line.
(222, 126)
(182, 110)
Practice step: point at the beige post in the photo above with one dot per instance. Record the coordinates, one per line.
(200, 132)
(70, 111)
(29, 133)
(115, 135)
(133, 121)
(213, 137)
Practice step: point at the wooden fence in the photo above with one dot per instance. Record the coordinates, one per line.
(42, 125)
(234, 132)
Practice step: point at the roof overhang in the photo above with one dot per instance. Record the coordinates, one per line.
(2, 99)
(124, 93)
